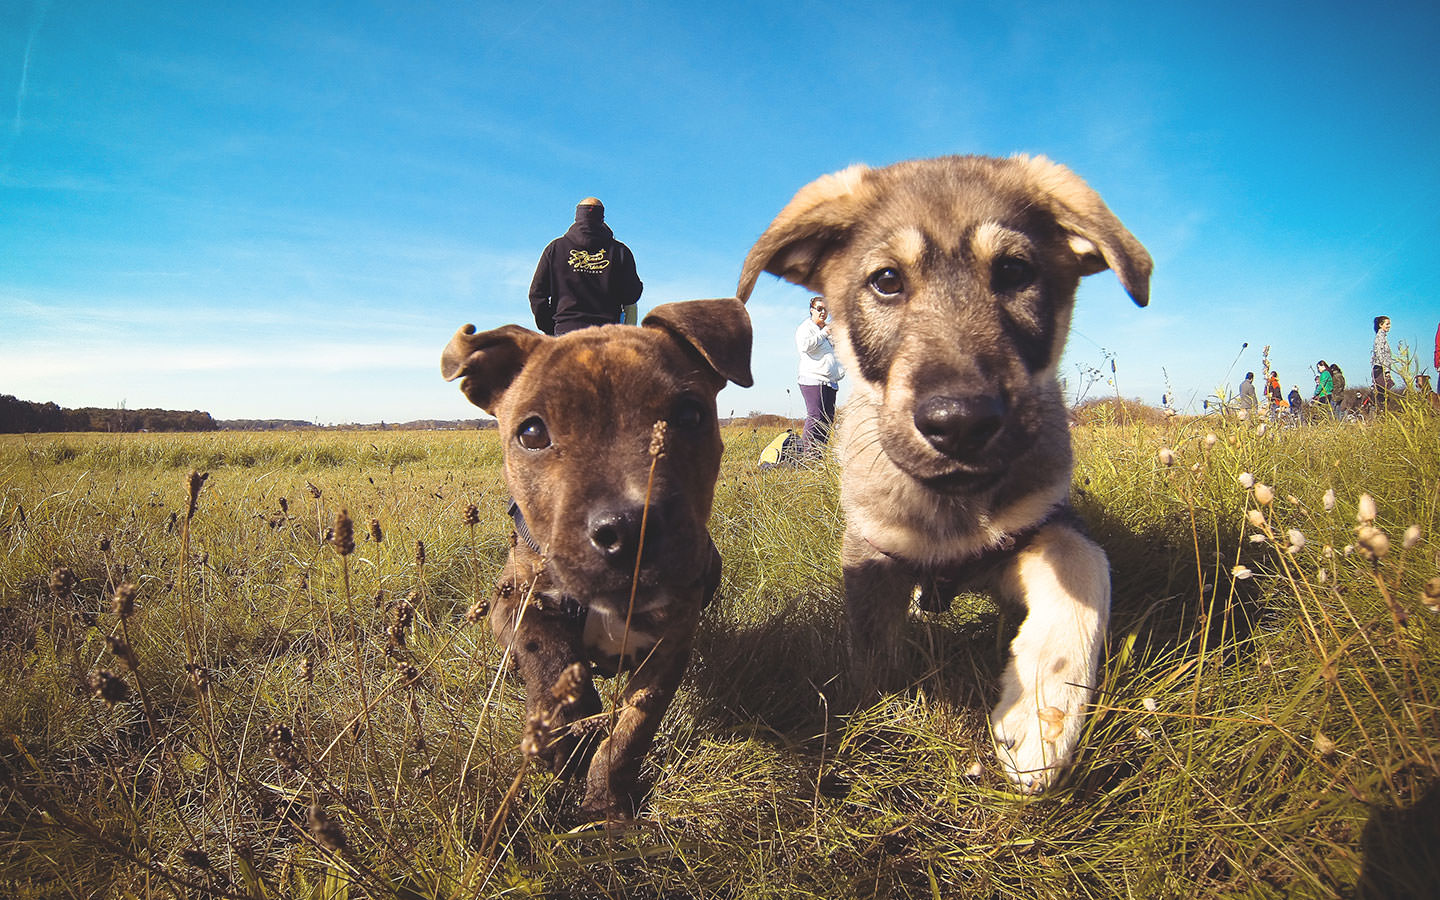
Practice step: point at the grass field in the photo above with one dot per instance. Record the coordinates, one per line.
(258, 715)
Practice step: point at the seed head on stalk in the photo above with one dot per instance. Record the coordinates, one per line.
(121, 650)
(199, 676)
(409, 675)
(123, 603)
(1430, 594)
(105, 685)
(325, 830)
(570, 685)
(62, 583)
(282, 746)
(343, 535)
(480, 606)
(196, 857)
(1371, 543)
(194, 481)
(1365, 510)
(403, 616)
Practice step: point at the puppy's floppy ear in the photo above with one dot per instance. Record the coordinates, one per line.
(816, 218)
(1096, 235)
(719, 330)
(488, 361)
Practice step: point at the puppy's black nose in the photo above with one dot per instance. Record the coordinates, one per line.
(615, 535)
(960, 427)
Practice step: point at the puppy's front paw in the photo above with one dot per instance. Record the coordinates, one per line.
(611, 811)
(1031, 744)
(1035, 737)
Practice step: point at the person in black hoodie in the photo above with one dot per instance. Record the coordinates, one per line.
(584, 277)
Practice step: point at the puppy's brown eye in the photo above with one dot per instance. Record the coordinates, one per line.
(887, 283)
(532, 434)
(688, 413)
(1010, 273)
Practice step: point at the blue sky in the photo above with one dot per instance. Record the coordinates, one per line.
(283, 210)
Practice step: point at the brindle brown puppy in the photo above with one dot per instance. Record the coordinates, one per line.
(612, 449)
(952, 282)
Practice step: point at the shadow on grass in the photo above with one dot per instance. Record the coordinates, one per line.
(1401, 849)
(774, 667)
(1173, 588)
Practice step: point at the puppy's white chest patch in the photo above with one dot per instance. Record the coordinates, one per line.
(606, 635)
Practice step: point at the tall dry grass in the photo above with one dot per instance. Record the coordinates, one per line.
(217, 701)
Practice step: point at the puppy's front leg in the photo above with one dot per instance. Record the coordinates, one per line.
(877, 596)
(611, 789)
(543, 646)
(1063, 580)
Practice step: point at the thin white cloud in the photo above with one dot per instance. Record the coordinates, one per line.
(18, 121)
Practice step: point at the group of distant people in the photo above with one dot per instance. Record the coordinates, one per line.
(1330, 381)
(1275, 401)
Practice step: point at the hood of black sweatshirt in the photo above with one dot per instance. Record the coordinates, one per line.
(590, 230)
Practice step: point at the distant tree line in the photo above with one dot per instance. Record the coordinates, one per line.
(20, 416)
(764, 420)
(301, 425)
(264, 424)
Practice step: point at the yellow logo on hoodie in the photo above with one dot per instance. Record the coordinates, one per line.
(586, 262)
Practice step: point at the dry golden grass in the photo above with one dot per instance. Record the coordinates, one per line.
(261, 715)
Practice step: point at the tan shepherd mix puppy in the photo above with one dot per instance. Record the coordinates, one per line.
(600, 487)
(952, 281)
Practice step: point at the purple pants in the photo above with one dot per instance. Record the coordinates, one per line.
(819, 413)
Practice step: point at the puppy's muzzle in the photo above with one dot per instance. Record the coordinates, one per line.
(961, 427)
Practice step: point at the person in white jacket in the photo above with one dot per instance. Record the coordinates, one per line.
(820, 373)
